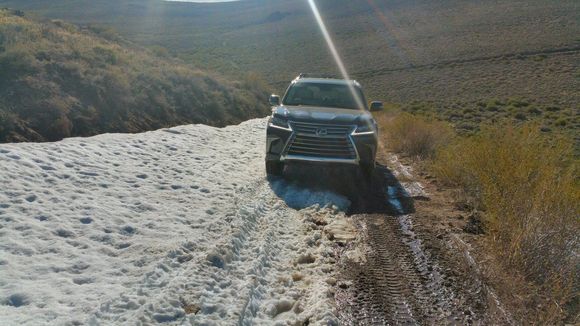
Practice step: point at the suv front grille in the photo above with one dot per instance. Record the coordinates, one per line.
(322, 141)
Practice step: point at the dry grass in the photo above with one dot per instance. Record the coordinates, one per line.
(528, 187)
(414, 135)
(58, 80)
(526, 184)
(467, 117)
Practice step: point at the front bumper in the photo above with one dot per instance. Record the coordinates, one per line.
(278, 141)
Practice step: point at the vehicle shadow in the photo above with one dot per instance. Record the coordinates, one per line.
(304, 185)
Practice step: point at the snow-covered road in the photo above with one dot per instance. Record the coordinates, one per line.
(177, 225)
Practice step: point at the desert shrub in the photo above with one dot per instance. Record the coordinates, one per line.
(495, 102)
(64, 25)
(160, 51)
(17, 63)
(466, 127)
(108, 56)
(518, 103)
(253, 81)
(60, 81)
(527, 185)
(414, 135)
(540, 57)
(7, 121)
(561, 122)
(534, 110)
(105, 32)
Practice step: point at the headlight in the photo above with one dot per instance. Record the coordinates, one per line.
(365, 129)
(279, 122)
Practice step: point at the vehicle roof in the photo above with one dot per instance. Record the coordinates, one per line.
(325, 81)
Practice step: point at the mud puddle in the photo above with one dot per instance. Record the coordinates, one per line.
(399, 282)
(379, 194)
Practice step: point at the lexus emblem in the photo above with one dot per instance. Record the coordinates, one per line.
(321, 132)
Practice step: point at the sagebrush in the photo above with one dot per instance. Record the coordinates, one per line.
(527, 186)
(524, 181)
(60, 80)
(414, 135)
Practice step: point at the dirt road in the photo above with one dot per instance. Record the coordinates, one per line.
(406, 266)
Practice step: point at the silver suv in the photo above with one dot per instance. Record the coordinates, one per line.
(322, 120)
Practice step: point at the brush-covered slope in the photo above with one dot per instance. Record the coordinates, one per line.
(58, 80)
(447, 51)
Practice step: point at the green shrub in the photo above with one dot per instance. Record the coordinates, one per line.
(17, 63)
(7, 122)
(561, 122)
(534, 110)
(105, 32)
(518, 103)
(492, 108)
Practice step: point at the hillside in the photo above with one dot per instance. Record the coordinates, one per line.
(464, 61)
(59, 80)
(443, 51)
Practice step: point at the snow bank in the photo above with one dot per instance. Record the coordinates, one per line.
(176, 225)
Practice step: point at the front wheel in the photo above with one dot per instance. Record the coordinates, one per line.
(274, 167)
(367, 169)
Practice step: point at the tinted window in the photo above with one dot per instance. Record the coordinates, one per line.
(325, 95)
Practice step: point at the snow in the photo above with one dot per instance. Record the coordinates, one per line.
(178, 226)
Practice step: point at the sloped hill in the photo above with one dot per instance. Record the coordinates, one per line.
(59, 80)
(452, 52)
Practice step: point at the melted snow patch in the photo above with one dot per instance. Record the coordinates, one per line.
(298, 197)
(174, 226)
(404, 173)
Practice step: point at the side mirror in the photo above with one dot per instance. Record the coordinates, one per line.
(274, 100)
(376, 106)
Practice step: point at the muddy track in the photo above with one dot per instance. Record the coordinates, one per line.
(407, 276)
(398, 284)
(399, 271)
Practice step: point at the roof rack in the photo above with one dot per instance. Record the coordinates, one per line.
(322, 76)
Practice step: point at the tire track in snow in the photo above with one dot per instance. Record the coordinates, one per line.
(252, 241)
(174, 226)
(261, 255)
(164, 291)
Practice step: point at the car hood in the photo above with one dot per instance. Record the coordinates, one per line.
(323, 114)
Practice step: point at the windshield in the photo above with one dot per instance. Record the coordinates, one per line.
(324, 95)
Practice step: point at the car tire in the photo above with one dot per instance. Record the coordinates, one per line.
(367, 169)
(274, 167)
